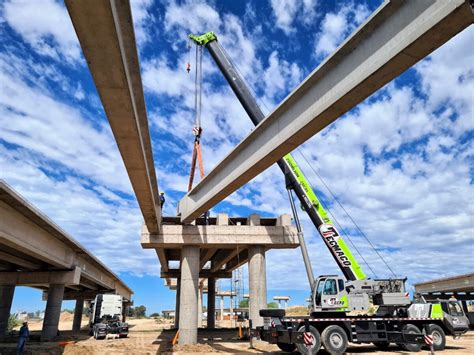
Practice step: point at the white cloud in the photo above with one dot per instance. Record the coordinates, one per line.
(143, 21)
(191, 17)
(280, 76)
(32, 118)
(49, 31)
(109, 230)
(287, 12)
(336, 26)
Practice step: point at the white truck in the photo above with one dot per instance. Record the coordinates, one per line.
(106, 317)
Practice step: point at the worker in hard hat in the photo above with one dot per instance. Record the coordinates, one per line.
(162, 199)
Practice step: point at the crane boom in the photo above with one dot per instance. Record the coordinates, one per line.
(294, 176)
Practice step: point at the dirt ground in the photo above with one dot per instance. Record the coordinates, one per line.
(149, 336)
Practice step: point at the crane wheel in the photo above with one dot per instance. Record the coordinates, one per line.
(411, 329)
(315, 340)
(439, 337)
(334, 339)
(286, 347)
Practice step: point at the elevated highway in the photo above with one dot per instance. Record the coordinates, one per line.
(35, 252)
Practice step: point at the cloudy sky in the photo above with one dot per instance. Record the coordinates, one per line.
(401, 162)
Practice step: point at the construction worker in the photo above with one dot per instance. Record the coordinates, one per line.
(162, 199)
(23, 337)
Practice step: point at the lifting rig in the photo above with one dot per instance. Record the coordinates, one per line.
(333, 298)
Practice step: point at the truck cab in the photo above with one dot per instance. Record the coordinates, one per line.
(106, 317)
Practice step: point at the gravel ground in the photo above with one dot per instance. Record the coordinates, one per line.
(150, 337)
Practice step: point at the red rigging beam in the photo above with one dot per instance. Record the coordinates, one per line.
(105, 32)
(396, 36)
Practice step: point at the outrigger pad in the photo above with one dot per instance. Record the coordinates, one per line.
(277, 313)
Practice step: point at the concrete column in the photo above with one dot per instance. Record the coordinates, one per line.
(257, 284)
(52, 312)
(124, 311)
(176, 309)
(211, 303)
(222, 308)
(200, 307)
(6, 299)
(76, 323)
(188, 309)
(231, 309)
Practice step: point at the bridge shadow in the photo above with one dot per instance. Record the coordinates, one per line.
(209, 340)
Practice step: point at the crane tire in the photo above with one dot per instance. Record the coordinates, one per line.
(411, 329)
(316, 339)
(334, 339)
(439, 337)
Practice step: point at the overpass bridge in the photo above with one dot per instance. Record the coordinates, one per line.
(35, 252)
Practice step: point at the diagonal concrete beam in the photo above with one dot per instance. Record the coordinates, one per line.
(163, 258)
(105, 32)
(206, 255)
(222, 257)
(241, 259)
(396, 36)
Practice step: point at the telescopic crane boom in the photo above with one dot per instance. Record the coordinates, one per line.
(295, 180)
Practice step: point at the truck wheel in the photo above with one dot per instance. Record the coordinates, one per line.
(382, 345)
(439, 338)
(411, 329)
(315, 340)
(334, 339)
(286, 347)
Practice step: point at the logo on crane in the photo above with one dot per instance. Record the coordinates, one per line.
(331, 236)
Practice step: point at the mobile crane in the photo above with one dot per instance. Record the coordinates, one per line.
(397, 319)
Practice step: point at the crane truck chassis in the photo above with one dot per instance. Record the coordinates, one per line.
(397, 320)
(336, 331)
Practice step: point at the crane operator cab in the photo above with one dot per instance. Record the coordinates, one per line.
(335, 294)
(330, 294)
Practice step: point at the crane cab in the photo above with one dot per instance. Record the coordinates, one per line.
(330, 294)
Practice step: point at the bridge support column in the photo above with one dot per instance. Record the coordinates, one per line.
(6, 299)
(52, 312)
(200, 307)
(78, 310)
(257, 284)
(176, 309)
(211, 303)
(188, 310)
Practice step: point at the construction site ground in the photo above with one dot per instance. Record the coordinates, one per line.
(151, 336)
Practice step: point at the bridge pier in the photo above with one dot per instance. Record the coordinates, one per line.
(6, 299)
(52, 312)
(211, 303)
(78, 310)
(211, 249)
(188, 312)
(257, 284)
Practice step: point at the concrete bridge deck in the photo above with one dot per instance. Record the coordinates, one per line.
(35, 252)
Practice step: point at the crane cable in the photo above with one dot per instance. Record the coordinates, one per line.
(197, 129)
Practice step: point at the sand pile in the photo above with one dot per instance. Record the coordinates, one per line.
(297, 311)
(66, 317)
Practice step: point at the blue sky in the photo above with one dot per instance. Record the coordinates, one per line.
(401, 162)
